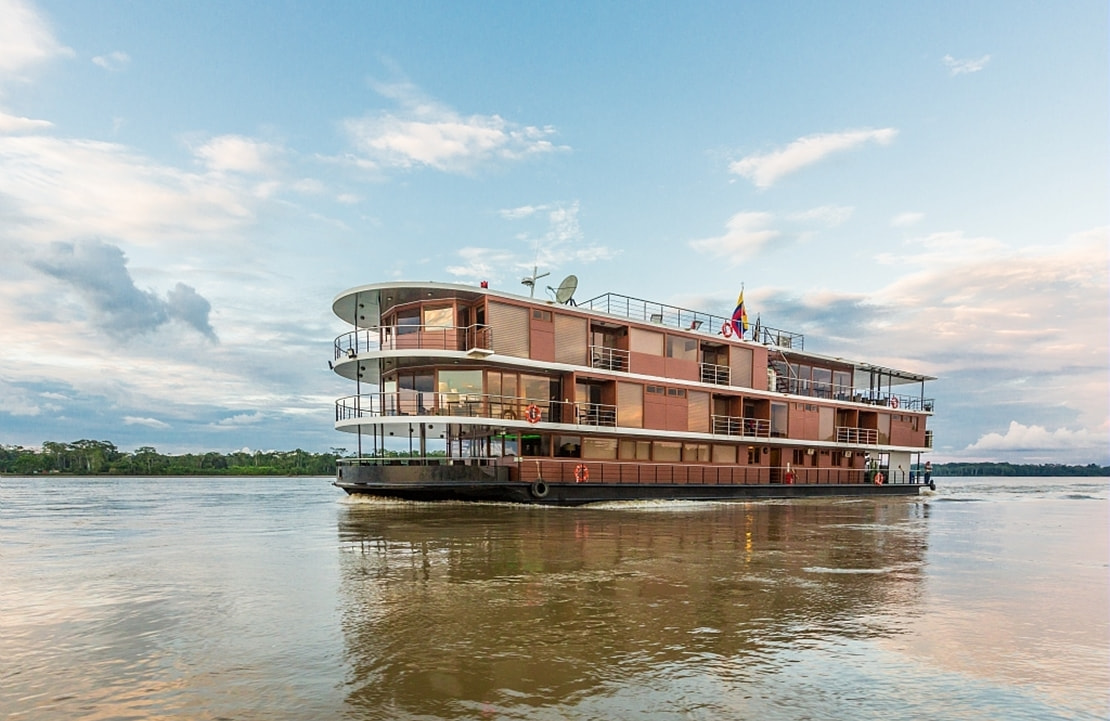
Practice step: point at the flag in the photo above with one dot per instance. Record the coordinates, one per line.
(740, 316)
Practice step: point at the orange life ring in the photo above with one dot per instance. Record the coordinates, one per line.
(581, 473)
(726, 329)
(894, 401)
(532, 413)
(879, 479)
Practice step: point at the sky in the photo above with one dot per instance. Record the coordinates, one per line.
(186, 186)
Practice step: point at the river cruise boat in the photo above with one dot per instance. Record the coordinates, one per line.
(470, 393)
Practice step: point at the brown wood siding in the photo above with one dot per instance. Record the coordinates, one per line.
(630, 405)
(697, 411)
(740, 362)
(542, 341)
(509, 324)
(571, 339)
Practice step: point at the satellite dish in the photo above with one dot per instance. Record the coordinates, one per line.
(565, 292)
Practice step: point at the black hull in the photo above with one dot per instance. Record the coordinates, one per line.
(577, 494)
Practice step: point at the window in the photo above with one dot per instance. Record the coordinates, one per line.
(602, 448)
(408, 321)
(460, 382)
(695, 452)
(682, 348)
(439, 317)
(568, 446)
(676, 392)
(645, 341)
(635, 450)
(778, 420)
(656, 389)
(667, 451)
(544, 315)
(753, 456)
(724, 454)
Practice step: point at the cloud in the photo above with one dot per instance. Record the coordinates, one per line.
(905, 220)
(238, 154)
(25, 40)
(764, 170)
(148, 422)
(15, 124)
(964, 66)
(745, 235)
(522, 212)
(70, 188)
(425, 133)
(1020, 438)
(241, 419)
(553, 236)
(829, 216)
(113, 61)
(98, 272)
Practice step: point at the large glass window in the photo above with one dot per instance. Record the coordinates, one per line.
(682, 348)
(408, 321)
(536, 388)
(667, 451)
(778, 419)
(635, 450)
(601, 448)
(568, 446)
(724, 454)
(645, 341)
(695, 452)
(460, 382)
(439, 317)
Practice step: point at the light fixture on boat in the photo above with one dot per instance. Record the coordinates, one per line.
(656, 317)
(351, 353)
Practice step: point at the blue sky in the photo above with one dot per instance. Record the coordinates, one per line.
(184, 187)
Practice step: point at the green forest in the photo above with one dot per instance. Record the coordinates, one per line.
(87, 457)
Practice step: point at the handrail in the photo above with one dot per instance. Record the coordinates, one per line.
(861, 436)
(716, 374)
(425, 337)
(614, 359)
(405, 402)
(740, 426)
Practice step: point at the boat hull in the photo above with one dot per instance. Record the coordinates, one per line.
(577, 494)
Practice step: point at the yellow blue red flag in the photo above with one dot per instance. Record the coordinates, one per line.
(740, 316)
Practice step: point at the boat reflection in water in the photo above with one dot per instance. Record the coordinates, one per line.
(456, 611)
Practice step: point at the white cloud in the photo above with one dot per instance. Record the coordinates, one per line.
(423, 132)
(15, 124)
(1022, 438)
(745, 235)
(905, 220)
(241, 419)
(113, 61)
(522, 212)
(25, 40)
(764, 170)
(148, 422)
(957, 66)
(67, 188)
(829, 216)
(238, 154)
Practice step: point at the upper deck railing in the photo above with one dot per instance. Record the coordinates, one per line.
(424, 337)
(672, 316)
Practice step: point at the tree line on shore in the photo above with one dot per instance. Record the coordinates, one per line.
(87, 457)
(90, 458)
